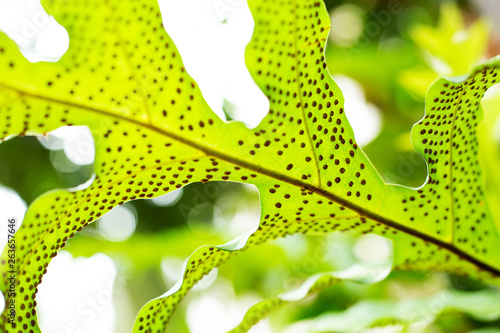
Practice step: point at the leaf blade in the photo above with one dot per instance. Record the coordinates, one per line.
(285, 157)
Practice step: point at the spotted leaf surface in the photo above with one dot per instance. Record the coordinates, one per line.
(452, 205)
(124, 79)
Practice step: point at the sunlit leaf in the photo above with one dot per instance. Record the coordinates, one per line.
(315, 284)
(124, 79)
(417, 80)
(482, 305)
(452, 48)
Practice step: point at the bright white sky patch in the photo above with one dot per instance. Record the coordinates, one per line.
(365, 118)
(168, 199)
(172, 269)
(245, 218)
(76, 295)
(76, 141)
(349, 24)
(117, 225)
(11, 205)
(491, 94)
(38, 35)
(218, 309)
(373, 249)
(2, 302)
(211, 37)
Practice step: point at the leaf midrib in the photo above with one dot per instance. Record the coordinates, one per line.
(127, 61)
(450, 163)
(304, 118)
(25, 262)
(273, 174)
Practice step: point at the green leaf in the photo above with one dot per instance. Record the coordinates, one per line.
(417, 80)
(258, 311)
(124, 79)
(361, 273)
(482, 305)
(486, 330)
(451, 48)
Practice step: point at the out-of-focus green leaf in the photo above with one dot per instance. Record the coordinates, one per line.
(452, 48)
(483, 306)
(359, 273)
(260, 310)
(486, 330)
(417, 80)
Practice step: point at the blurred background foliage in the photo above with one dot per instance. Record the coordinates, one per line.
(392, 51)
